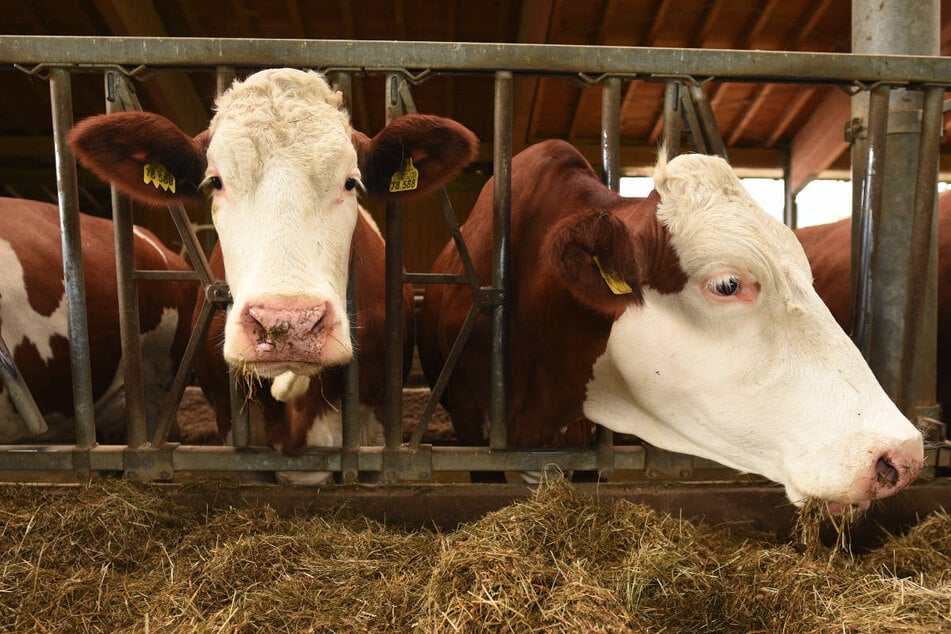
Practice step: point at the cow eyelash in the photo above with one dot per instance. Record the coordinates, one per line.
(211, 182)
(725, 286)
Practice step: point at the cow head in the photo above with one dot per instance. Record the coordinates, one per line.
(283, 168)
(723, 349)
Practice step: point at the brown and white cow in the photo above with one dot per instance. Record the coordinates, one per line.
(33, 319)
(283, 167)
(688, 319)
(829, 247)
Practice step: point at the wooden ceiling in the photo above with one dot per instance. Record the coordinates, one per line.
(759, 123)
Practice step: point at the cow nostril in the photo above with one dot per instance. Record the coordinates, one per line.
(885, 472)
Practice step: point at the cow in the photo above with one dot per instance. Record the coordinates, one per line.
(33, 320)
(829, 247)
(687, 319)
(283, 168)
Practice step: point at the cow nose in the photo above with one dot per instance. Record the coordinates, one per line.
(896, 468)
(273, 326)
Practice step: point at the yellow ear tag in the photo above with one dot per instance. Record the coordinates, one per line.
(405, 180)
(156, 174)
(615, 283)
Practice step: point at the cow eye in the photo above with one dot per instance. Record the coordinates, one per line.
(215, 182)
(349, 184)
(726, 286)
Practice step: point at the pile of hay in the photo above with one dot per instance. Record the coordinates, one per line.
(117, 557)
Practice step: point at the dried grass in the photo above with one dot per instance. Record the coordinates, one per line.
(117, 557)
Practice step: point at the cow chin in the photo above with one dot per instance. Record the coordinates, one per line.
(253, 360)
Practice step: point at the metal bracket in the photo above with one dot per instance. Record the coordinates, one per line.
(218, 293)
(408, 463)
(149, 464)
(854, 130)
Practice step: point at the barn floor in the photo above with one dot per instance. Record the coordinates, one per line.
(119, 557)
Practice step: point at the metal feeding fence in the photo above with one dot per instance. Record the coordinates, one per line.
(149, 456)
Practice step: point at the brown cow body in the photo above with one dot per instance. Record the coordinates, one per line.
(33, 319)
(829, 249)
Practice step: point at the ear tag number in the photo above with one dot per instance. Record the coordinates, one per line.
(158, 176)
(617, 285)
(405, 180)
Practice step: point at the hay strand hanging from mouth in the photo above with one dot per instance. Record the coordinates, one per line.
(114, 556)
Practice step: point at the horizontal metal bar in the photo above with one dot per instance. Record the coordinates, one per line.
(434, 278)
(167, 276)
(223, 458)
(374, 55)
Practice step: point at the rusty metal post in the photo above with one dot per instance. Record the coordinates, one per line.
(61, 97)
(502, 159)
(897, 28)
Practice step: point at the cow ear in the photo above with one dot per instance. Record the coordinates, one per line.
(414, 155)
(594, 257)
(143, 154)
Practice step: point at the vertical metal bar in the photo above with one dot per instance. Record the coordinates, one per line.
(708, 122)
(19, 392)
(61, 97)
(870, 216)
(918, 363)
(224, 77)
(611, 132)
(610, 165)
(350, 401)
(912, 28)
(502, 159)
(672, 123)
(790, 210)
(129, 328)
(393, 360)
(695, 131)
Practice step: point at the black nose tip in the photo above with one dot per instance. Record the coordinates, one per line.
(885, 472)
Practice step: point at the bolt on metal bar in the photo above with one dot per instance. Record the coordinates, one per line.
(20, 393)
(869, 217)
(502, 159)
(672, 121)
(118, 98)
(61, 97)
(922, 238)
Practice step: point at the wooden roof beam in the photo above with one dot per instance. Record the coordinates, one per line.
(533, 27)
(821, 140)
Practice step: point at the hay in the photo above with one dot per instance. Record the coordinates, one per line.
(118, 557)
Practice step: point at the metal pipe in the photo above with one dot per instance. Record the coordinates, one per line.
(694, 129)
(611, 132)
(19, 393)
(672, 123)
(350, 399)
(376, 55)
(869, 217)
(129, 328)
(918, 361)
(790, 210)
(903, 28)
(393, 358)
(502, 160)
(61, 97)
(708, 121)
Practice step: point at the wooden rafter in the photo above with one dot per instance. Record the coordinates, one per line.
(790, 112)
(533, 27)
(759, 99)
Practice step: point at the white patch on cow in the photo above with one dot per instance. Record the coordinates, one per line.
(771, 386)
(158, 372)
(21, 323)
(327, 431)
(288, 386)
(282, 150)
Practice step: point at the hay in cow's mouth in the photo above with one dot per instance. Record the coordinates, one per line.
(116, 557)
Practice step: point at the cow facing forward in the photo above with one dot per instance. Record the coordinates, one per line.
(688, 319)
(34, 325)
(283, 168)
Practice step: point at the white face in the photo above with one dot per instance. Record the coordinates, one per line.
(746, 366)
(282, 170)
